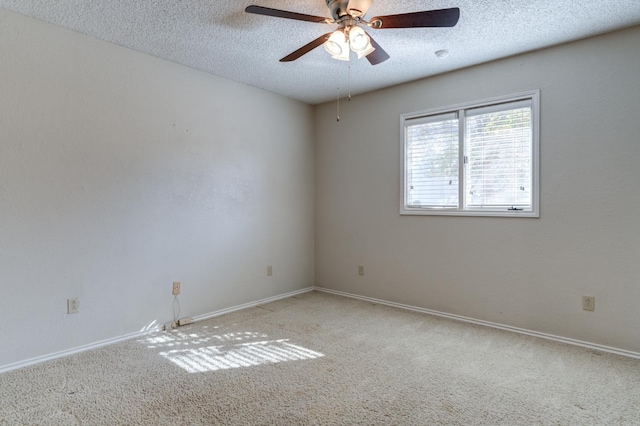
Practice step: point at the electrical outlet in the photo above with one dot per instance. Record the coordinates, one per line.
(269, 270)
(361, 270)
(176, 288)
(73, 306)
(588, 303)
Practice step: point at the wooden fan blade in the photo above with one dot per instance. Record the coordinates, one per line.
(427, 18)
(259, 10)
(378, 55)
(306, 48)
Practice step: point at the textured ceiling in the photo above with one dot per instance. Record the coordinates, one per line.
(220, 38)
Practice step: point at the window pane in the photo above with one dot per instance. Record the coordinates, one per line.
(432, 162)
(498, 169)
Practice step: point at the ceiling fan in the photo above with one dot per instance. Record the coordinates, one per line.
(349, 16)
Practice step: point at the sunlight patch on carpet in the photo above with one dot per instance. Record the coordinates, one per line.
(195, 354)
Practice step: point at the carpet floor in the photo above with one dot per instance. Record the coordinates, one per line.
(321, 359)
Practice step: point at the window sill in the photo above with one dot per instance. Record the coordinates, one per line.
(407, 211)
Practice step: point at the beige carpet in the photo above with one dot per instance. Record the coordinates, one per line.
(323, 359)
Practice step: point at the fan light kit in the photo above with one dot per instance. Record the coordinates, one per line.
(341, 40)
(350, 36)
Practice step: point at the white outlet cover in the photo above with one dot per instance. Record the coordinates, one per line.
(588, 303)
(73, 306)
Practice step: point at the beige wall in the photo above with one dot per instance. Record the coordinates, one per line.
(528, 273)
(120, 173)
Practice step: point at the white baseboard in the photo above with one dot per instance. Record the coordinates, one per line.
(95, 345)
(76, 350)
(567, 340)
(252, 304)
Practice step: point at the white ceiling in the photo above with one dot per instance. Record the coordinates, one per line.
(220, 38)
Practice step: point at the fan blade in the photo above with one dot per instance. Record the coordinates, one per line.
(378, 55)
(259, 10)
(428, 18)
(306, 48)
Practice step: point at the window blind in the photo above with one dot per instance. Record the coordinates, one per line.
(498, 156)
(432, 161)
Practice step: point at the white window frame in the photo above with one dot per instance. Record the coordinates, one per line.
(534, 97)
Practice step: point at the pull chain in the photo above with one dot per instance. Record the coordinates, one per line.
(348, 92)
(337, 74)
(349, 83)
(338, 105)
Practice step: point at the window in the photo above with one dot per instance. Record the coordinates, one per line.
(476, 159)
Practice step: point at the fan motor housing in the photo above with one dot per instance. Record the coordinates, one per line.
(338, 8)
(348, 8)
